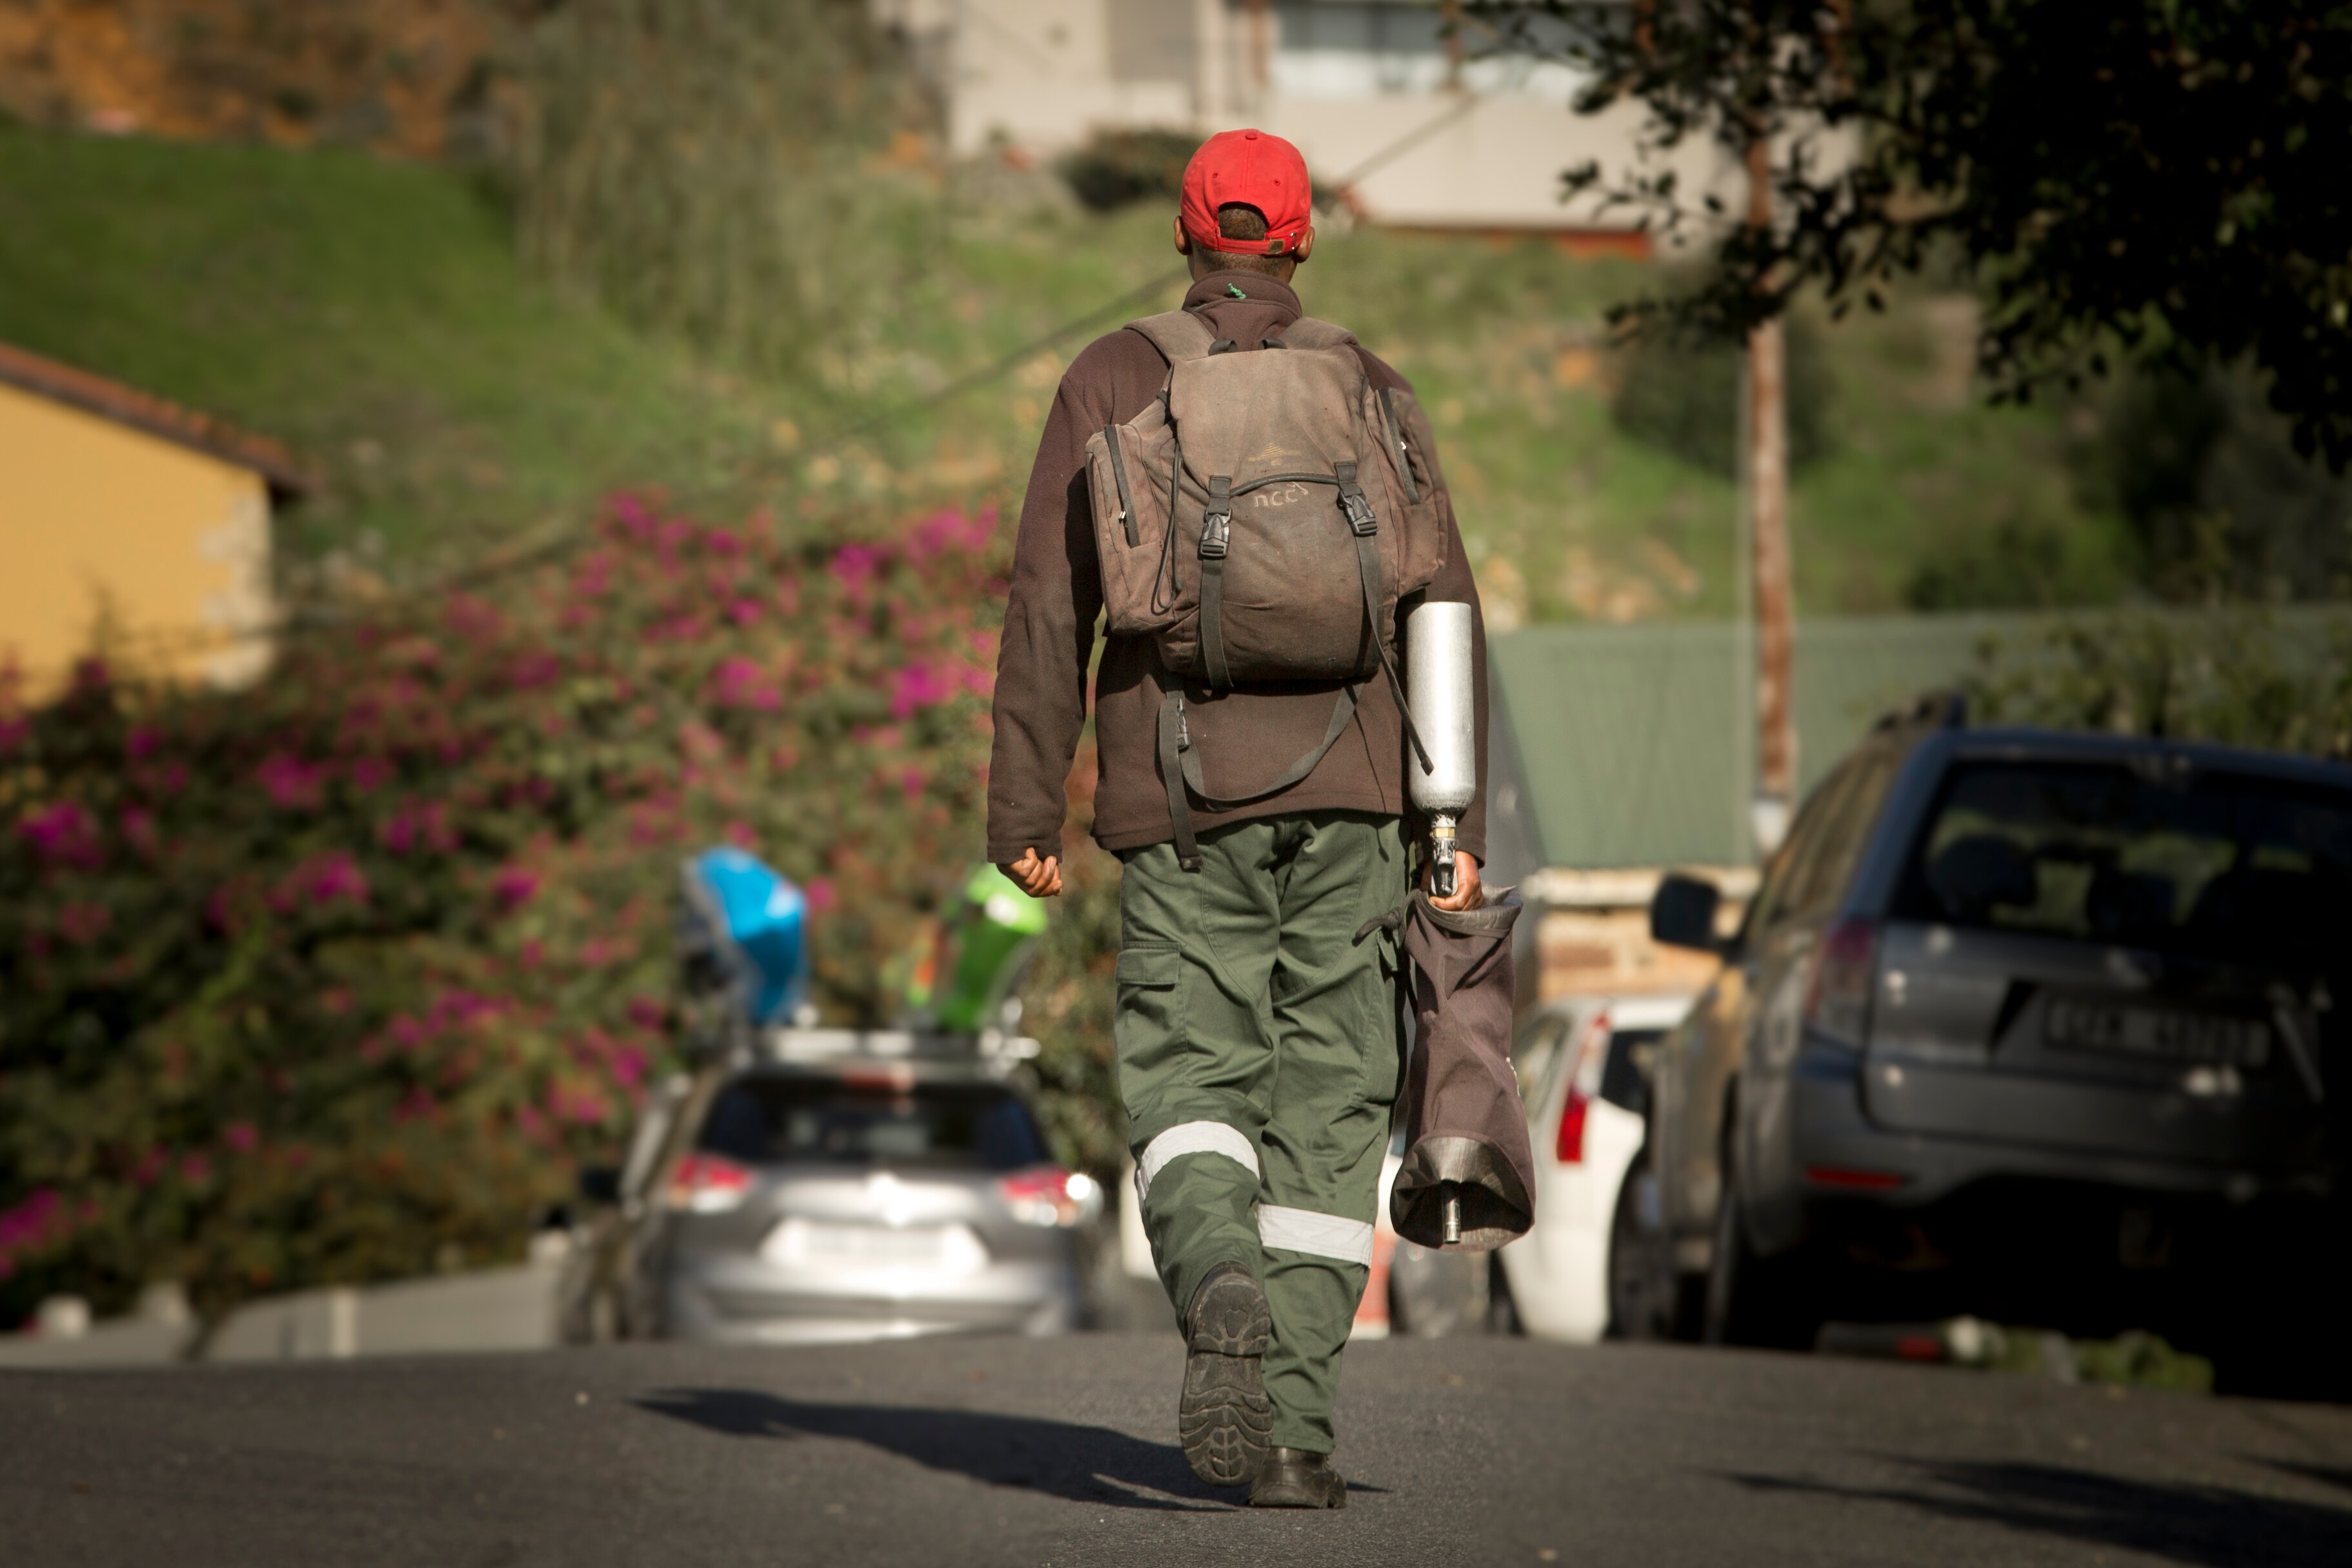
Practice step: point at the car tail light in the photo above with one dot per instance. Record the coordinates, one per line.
(1846, 966)
(1583, 1083)
(1051, 1195)
(1855, 1181)
(1570, 1147)
(709, 1183)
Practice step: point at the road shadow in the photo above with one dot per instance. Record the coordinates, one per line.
(1085, 1464)
(2325, 1475)
(2202, 1525)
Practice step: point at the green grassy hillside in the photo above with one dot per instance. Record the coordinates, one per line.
(373, 315)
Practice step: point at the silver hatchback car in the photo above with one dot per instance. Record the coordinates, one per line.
(841, 1187)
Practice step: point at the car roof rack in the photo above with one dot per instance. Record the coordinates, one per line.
(1946, 709)
(990, 1050)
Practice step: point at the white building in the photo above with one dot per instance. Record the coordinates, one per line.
(1423, 130)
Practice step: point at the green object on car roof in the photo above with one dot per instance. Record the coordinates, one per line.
(989, 938)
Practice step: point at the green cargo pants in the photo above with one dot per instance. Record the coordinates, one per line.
(1260, 1048)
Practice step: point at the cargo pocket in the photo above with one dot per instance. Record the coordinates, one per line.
(1382, 1078)
(1149, 1026)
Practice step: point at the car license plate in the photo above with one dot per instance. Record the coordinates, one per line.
(2165, 1034)
(868, 1246)
(914, 1245)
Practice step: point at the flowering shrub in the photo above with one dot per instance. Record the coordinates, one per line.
(334, 979)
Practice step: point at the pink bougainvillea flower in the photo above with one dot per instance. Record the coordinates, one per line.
(740, 682)
(293, 784)
(240, 1136)
(63, 834)
(82, 923)
(580, 1106)
(856, 567)
(923, 685)
(953, 530)
(514, 887)
(535, 669)
(333, 877)
(138, 826)
(195, 1169)
(29, 1223)
(150, 1166)
(475, 619)
(420, 826)
(369, 774)
(630, 514)
(418, 1106)
(144, 741)
(819, 892)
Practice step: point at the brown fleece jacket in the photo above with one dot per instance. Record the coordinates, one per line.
(1245, 737)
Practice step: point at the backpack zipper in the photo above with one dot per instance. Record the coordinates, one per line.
(1118, 476)
(1404, 453)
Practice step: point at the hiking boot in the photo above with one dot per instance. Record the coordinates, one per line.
(1293, 1477)
(1224, 1415)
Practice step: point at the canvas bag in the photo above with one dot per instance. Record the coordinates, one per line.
(1259, 521)
(1465, 1127)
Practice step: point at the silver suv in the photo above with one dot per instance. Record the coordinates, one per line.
(2048, 1027)
(842, 1186)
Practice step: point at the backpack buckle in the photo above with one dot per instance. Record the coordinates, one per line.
(1354, 504)
(1217, 522)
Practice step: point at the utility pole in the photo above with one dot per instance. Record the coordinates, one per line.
(1261, 51)
(1768, 500)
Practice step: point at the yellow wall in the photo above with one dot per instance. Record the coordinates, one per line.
(102, 526)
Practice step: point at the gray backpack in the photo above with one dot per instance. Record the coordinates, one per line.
(1259, 521)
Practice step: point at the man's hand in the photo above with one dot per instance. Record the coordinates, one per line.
(1042, 879)
(1467, 894)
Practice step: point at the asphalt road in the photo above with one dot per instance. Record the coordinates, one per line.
(983, 1452)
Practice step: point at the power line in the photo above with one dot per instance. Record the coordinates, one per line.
(1005, 364)
(557, 547)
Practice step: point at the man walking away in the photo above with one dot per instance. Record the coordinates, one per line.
(1253, 501)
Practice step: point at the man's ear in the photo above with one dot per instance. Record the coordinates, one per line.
(1183, 240)
(1305, 246)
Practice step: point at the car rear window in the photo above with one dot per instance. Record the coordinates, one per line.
(780, 1120)
(2193, 861)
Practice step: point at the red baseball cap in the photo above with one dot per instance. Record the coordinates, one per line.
(1259, 170)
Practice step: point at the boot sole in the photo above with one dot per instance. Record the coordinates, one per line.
(1225, 1417)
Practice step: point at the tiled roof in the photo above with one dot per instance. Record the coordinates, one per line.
(156, 415)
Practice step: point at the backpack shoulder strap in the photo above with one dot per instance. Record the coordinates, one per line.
(1179, 335)
(1307, 332)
